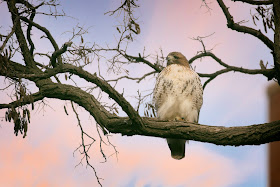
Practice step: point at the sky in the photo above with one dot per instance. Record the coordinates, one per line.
(45, 157)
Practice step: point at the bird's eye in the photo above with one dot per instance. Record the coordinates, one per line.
(176, 57)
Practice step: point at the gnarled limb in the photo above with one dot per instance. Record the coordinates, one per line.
(234, 136)
(246, 135)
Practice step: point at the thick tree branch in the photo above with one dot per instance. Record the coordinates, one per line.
(276, 54)
(234, 136)
(10, 68)
(246, 135)
(234, 26)
(29, 28)
(256, 2)
(28, 58)
(103, 85)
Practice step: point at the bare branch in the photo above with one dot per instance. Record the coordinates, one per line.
(256, 2)
(9, 35)
(135, 59)
(234, 26)
(269, 73)
(128, 7)
(43, 29)
(131, 78)
(213, 75)
(84, 146)
(57, 53)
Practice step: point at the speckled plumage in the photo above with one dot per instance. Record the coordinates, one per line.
(178, 96)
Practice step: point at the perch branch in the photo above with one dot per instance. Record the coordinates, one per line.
(234, 136)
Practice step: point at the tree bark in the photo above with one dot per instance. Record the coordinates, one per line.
(234, 136)
(276, 53)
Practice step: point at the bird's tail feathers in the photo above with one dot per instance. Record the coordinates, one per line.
(177, 148)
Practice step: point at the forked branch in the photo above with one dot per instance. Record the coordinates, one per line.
(248, 30)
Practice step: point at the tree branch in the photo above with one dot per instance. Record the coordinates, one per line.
(28, 59)
(58, 52)
(9, 35)
(213, 75)
(85, 147)
(256, 2)
(269, 73)
(63, 68)
(29, 99)
(276, 54)
(156, 67)
(234, 26)
(246, 135)
(47, 32)
(132, 78)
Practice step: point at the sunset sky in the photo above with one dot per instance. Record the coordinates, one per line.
(45, 157)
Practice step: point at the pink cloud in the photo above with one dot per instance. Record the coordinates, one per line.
(153, 165)
(147, 160)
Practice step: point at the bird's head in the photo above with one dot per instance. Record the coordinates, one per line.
(177, 58)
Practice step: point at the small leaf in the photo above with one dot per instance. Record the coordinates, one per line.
(6, 115)
(118, 29)
(25, 127)
(32, 106)
(28, 115)
(264, 25)
(65, 110)
(9, 116)
(254, 21)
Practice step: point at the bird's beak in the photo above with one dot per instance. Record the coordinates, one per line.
(168, 58)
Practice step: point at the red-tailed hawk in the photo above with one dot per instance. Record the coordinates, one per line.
(178, 96)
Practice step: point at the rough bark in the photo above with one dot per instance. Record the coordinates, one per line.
(276, 54)
(234, 136)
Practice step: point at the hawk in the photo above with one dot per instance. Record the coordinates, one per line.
(178, 97)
